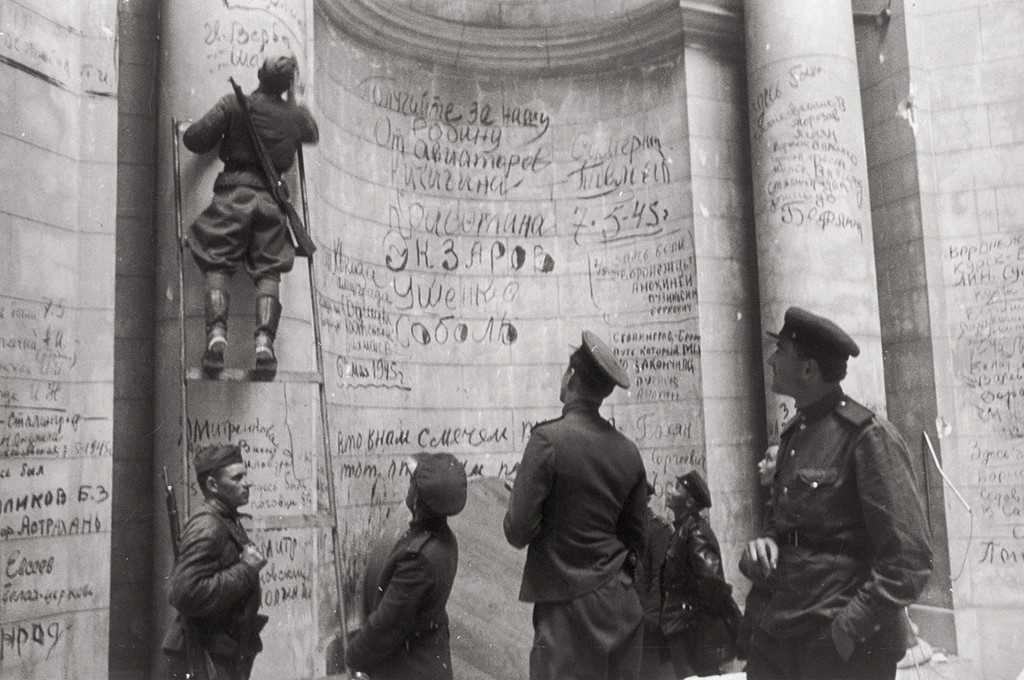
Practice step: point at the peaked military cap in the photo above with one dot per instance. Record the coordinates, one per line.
(440, 481)
(816, 334)
(216, 456)
(601, 360)
(698, 488)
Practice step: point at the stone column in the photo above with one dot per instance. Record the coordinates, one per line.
(202, 44)
(812, 210)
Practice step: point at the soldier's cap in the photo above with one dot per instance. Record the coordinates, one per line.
(816, 334)
(279, 69)
(601, 361)
(693, 482)
(440, 481)
(216, 456)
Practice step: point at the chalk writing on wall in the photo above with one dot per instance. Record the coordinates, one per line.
(272, 425)
(55, 493)
(50, 42)
(985, 290)
(814, 179)
(246, 32)
(485, 226)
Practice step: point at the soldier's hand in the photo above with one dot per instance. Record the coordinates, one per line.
(764, 552)
(252, 557)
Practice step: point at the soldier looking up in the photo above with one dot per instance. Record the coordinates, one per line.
(580, 503)
(845, 546)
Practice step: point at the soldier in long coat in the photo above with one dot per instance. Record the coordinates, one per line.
(406, 635)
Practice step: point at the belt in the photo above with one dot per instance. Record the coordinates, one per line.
(242, 166)
(838, 545)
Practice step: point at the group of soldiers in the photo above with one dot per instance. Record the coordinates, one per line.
(843, 550)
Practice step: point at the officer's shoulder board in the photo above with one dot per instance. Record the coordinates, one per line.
(545, 422)
(856, 414)
(416, 543)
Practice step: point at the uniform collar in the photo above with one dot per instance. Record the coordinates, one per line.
(432, 523)
(822, 407)
(581, 406)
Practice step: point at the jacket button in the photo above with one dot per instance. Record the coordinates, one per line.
(785, 489)
(803, 426)
(814, 485)
(792, 452)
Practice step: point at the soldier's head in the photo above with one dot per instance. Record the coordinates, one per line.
(437, 487)
(689, 495)
(593, 371)
(766, 466)
(277, 73)
(220, 471)
(811, 353)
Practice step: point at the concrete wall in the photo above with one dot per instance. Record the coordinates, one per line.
(727, 279)
(891, 133)
(968, 101)
(58, 139)
(453, 288)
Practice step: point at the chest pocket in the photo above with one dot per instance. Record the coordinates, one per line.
(818, 477)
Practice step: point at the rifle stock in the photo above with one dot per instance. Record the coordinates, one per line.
(304, 245)
(200, 667)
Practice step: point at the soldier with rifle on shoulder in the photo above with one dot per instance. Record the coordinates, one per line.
(215, 585)
(247, 222)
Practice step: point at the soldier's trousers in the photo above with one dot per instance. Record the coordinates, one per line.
(814, 657)
(243, 226)
(598, 636)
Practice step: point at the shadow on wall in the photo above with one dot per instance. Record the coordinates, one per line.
(491, 630)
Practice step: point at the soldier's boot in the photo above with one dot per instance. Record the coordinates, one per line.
(268, 316)
(216, 307)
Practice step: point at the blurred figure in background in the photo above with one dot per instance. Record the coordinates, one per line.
(656, 663)
(760, 593)
(699, 618)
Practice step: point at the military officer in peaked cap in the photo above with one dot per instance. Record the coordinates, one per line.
(579, 503)
(216, 583)
(405, 636)
(845, 546)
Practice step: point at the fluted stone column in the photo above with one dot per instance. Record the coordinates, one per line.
(811, 204)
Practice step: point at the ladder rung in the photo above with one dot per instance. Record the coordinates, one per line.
(196, 374)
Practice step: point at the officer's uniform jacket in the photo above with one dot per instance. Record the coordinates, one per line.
(849, 521)
(406, 635)
(217, 595)
(697, 598)
(579, 502)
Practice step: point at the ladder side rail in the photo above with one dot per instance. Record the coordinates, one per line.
(183, 371)
(324, 419)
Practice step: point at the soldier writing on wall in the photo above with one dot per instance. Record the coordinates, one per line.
(216, 583)
(244, 225)
(579, 502)
(845, 547)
